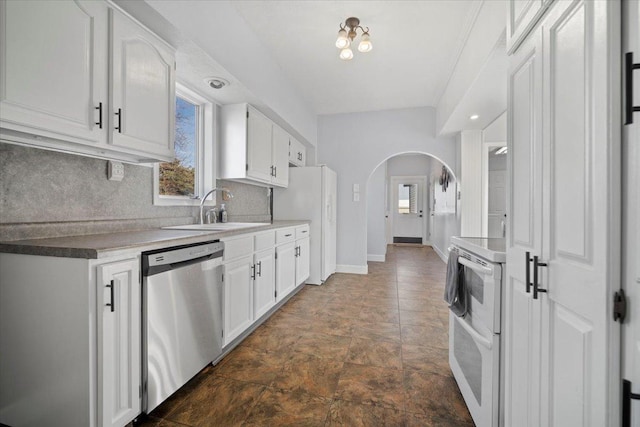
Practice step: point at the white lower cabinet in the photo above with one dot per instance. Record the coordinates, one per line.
(264, 284)
(237, 297)
(118, 291)
(285, 270)
(53, 313)
(302, 260)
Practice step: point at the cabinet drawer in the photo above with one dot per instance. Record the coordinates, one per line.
(237, 247)
(302, 231)
(285, 235)
(265, 240)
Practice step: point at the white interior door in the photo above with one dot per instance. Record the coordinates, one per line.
(408, 209)
(631, 221)
(580, 213)
(497, 203)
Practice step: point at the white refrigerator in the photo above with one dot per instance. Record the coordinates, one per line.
(312, 195)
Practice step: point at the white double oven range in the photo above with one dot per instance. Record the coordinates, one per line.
(474, 340)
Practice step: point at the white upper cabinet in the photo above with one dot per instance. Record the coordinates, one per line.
(143, 89)
(53, 68)
(521, 18)
(259, 129)
(68, 67)
(280, 157)
(297, 153)
(253, 149)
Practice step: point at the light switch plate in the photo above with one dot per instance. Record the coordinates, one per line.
(115, 171)
(356, 188)
(356, 197)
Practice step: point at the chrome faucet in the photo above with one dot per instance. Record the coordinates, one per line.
(204, 198)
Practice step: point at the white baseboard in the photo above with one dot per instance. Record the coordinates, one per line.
(352, 269)
(376, 258)
(444, 257)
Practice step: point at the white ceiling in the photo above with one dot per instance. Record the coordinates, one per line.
(415, 48)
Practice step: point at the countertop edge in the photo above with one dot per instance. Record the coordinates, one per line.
(64, 247)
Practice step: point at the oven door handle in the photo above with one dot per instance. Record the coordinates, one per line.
(475, 334)
(475, 267)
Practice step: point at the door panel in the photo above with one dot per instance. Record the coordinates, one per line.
(259, 136)
(280, 161)
(285, 269)
(408, 208)
(631, 219)
(522, 315)
(119, 342)
(570, 147)
(238, 294)
(581, 216)
(265, 282)
(143, 89)
(53, 67)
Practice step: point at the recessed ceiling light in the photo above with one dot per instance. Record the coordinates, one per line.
(474, 117)
(217, 82)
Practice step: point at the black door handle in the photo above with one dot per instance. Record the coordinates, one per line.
(628, 75)
(112, 303)
(536, 287)
(627, 395)
(99, 108)
(527, 271)
(119, 114)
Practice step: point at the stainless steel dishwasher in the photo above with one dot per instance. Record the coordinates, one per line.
(181, 316)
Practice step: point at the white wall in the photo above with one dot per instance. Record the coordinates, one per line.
(471, 183)
(376, 211)
(497, 130)
(221, 32)
(409, 165)
(481, 41)
(354, 145)
(446, 215)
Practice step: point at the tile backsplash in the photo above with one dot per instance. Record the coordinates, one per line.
(50, 194)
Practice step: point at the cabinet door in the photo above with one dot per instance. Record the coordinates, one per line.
(280, 159)
(302, 261)
(264, 285)
(53, 67)
(259, 157)
(581, 217)
(119, 392)
(521, 17)
(238, 297)
(142, 89)
(522, 315)
(285, 270)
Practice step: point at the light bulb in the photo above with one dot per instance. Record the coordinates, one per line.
(365, 44)
(343, 41)
(346, 54)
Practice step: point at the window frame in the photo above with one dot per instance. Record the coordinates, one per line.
(205, 178)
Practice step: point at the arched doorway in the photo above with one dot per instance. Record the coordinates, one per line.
(422, 182)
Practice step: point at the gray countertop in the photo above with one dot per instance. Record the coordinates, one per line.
(95, 246)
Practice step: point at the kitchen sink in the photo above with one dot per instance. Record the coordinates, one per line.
(221, 226)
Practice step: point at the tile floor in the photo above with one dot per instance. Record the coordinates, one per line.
(358, 351)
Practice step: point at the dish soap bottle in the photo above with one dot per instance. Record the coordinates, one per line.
(223, 213)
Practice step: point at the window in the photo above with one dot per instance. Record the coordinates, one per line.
(185, 179)
(407, 198)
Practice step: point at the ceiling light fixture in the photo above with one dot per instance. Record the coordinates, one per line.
(217, 82)
(346, 37)
(474, 117)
